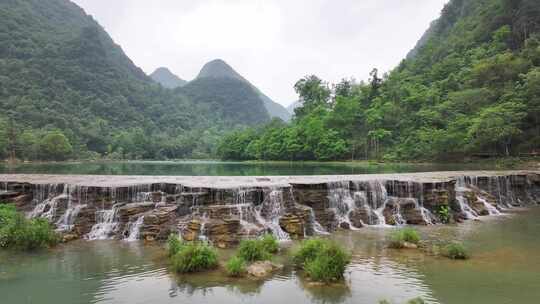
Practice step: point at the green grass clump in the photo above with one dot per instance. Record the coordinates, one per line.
(18, 232)
(322, 260)
(270, 243)
(194, 257)
(236, 266)
(173, 245)
(399, 237)
(258, 250)
(455, 251)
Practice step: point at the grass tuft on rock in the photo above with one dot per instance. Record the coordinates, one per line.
(322, 260)
(236, 266)
(259, 249)
(399, 237)
(18, 232)
(455, 251)
(194, 257)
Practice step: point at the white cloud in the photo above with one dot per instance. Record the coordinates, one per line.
(272, 43)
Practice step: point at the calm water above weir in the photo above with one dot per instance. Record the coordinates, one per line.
(504, 269)
(217, 168)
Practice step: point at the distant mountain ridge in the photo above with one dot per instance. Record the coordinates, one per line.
(219, 69)
(167, 79)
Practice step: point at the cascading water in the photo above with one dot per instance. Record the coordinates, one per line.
(135, 229)
(273, 209)
(378, 196)
(460, 188)
(339, 196)
(106, 224)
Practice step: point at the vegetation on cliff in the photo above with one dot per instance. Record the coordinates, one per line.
(472, 86)
(17, 232)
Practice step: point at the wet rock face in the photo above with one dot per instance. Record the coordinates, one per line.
(158, 223)
(225, 216)
(293, 225)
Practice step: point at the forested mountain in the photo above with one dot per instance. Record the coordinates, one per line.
(471, 86)
(167, 79)
(61, 74)
(217, 70)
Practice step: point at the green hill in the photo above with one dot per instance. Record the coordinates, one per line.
(61, 73)
(470, 87)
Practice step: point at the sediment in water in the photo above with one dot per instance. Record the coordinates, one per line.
(225, 210)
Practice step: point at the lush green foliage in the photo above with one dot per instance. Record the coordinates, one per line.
(322, 260)
(174, 245)
(400, 236)
(236, 266)
(20, 233)
(471, 86)
(253, 250)
(194, 257)
(270, 243)
(444, 214)
(455, 251)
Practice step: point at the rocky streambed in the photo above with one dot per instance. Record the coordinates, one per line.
(225, 210)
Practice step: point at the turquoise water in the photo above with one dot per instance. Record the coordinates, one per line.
(504, 268)
(217, 168)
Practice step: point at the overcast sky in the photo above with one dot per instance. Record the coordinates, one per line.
(272, 43)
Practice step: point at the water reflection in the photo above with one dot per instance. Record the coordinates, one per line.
(216, 168)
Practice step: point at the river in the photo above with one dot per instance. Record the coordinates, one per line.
(504, 268)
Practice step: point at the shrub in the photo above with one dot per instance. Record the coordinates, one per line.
(444, 214)
(194, 257)
(456, 251)
(399, 237)
(322, 260)
(308, 251)
(20, 233)
(270, 243)
(253, 250)
(236, 266)
(173, 245)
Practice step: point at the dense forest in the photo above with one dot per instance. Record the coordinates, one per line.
(63, 80)
(471, 86)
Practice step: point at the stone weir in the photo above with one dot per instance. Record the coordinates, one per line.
(224, 210)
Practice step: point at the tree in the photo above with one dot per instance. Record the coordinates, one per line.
(55, 146)
(498, 124)
(313, 92)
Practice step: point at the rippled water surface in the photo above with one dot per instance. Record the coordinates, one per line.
(217, 168)
(504, 269)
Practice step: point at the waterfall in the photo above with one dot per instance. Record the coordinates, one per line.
(317, 227)
(135, 229)
(202, 234)
(272, 208)
(339, 196)
(490, 208)
(463, 206)
(47, 203)
(378, 197)
(106, 224)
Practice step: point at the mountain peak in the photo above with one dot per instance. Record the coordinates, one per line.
(166, 78)
(218, 68)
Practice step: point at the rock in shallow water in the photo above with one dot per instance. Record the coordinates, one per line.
(263, 269)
